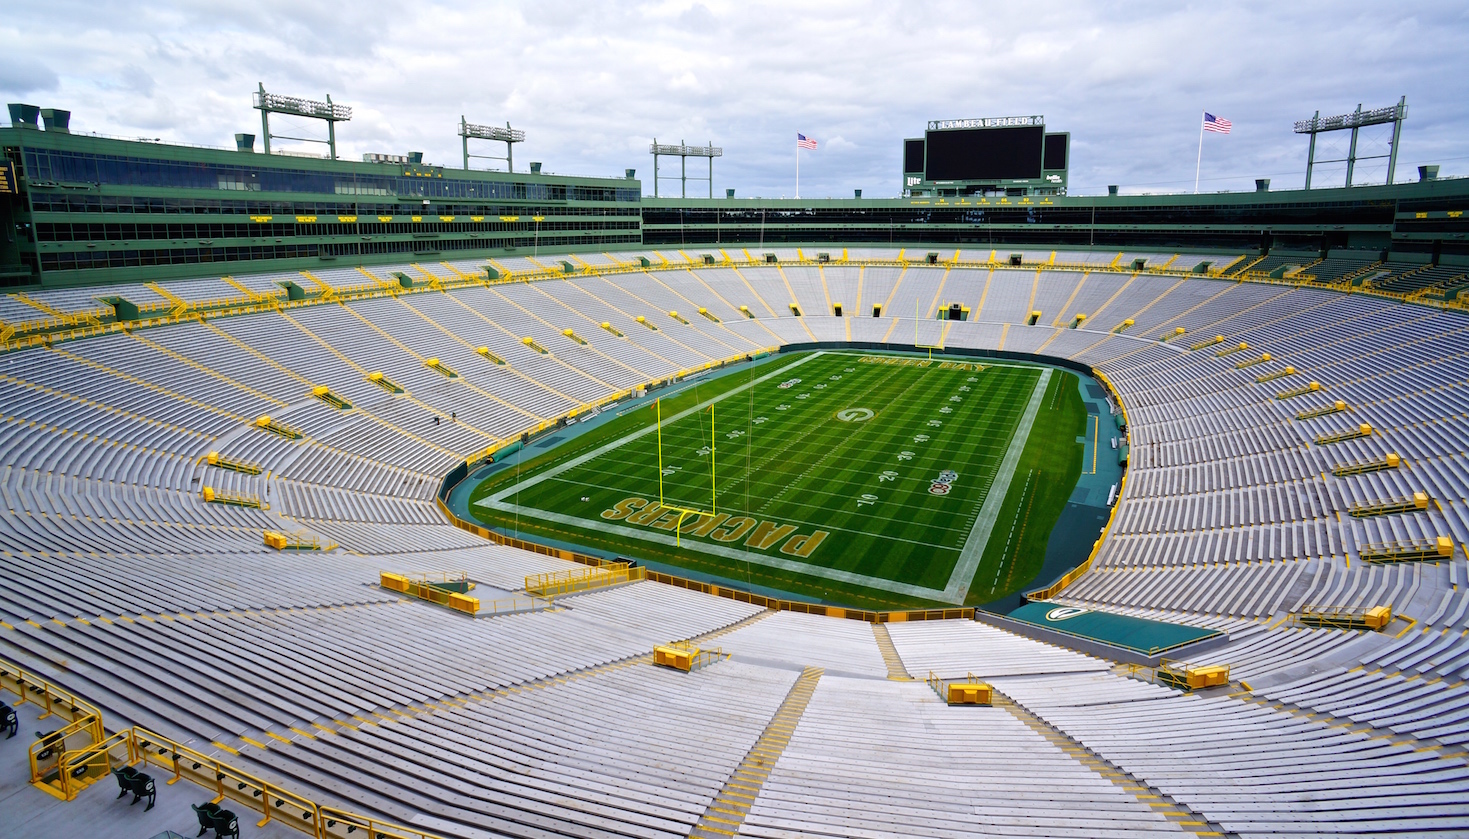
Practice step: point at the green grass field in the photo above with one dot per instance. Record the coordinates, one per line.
(874, 481)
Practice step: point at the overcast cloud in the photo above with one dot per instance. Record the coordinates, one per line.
(592, 84)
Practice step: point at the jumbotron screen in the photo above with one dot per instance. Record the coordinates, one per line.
(973, 154)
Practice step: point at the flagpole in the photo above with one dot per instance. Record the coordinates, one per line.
(798, 168)
(1200, 159)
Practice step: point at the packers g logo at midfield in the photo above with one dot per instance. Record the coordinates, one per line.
(855, 414)
(1064, 612)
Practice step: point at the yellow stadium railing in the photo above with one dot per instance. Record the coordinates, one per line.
(67, 772)
(582, 579)
(1343, 617)
(83, 729)
(685, 656)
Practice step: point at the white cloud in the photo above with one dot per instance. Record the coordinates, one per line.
(593, 83)
(686, 81)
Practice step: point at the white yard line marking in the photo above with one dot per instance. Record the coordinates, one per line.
(979, 537)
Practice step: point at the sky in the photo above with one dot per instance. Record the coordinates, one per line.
(593, 83)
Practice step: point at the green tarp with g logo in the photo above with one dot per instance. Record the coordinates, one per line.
(1145, 636)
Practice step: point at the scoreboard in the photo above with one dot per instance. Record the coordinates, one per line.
(990, 156)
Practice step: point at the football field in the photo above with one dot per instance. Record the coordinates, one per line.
(865, 479)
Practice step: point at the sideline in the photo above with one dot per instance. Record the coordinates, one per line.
(979, 536)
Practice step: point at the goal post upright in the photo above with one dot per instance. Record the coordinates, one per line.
(916, 321)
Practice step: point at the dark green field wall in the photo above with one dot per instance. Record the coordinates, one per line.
(95, 210)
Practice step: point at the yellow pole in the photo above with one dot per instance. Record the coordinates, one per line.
(713, 498)
(658, 407)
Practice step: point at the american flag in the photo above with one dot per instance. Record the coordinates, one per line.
(804, 142)
(1219, 124)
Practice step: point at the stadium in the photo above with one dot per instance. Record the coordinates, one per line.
(426, 501)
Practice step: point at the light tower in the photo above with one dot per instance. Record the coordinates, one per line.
(685, 152)
(272, 103)
(1358, 119)
(510, 136)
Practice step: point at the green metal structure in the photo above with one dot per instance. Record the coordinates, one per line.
(85, 210)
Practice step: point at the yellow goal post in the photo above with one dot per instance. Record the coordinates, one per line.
(685, 512)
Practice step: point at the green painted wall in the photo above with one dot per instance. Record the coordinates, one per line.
(219, 212)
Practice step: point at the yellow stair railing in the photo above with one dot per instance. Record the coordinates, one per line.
(232, 499)
(49, 769)
(1309, 387)
(299, 540)
(967, 691)
(1344, 617)
(266, 423)
(683, 655)
(582, 579)
(447, 588)
(1387, 507)
(1363, 430)
(1361, 467)
(1325, 410)
(234, 465)
(1411, 550)
(1275, 374)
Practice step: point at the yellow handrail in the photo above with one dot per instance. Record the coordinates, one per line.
(76, 769)
(45, 755)
(581, 579)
